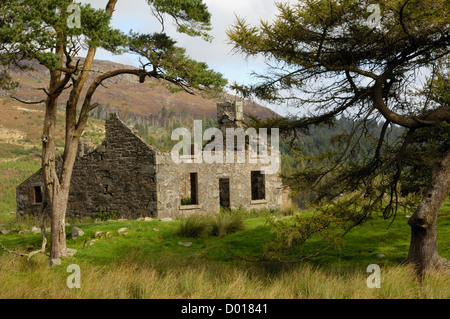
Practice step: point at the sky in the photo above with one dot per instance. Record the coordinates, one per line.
(136, 15)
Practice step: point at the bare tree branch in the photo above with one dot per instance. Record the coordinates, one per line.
(27, 102)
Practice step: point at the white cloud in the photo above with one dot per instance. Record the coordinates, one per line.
(136, 15)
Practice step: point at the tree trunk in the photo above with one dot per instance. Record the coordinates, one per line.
(423, 253)
(51, 179)
(58, 246)
(57, 174)
(58, 203)
(59, 187)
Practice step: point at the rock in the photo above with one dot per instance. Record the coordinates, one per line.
(155, 229)
(186, 244)
(67, 225)
(76, 232)
(98, 233)
(35, 230)
(91, 242)
(140, 219)
(123, 231)
(407, 216)
(381, 256)
(71, 252)
(24, 231)
(122, 220)
(148, 219)
(55, 262)
(4, 231)
(167, 219)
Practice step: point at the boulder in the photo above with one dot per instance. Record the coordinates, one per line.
(381, 255)
(167, 219)
(123, 231)
(36, 230)
(76, 232)
(55, 262)
(71, 252)
(98, 234)
(4, 231)
(91, 242)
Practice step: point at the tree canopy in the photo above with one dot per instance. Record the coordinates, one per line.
(329, 58)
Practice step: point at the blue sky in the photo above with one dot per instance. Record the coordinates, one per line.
(136, 15)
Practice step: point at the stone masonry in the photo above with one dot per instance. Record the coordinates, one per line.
(119, 176)
(126, 176)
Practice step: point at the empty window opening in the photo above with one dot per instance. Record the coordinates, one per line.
(258, 185)
(191, 196)
(224, 192)
(194, 189)
(37, 195)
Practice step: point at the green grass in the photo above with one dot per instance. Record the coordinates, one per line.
(12, 173)
(149, 262)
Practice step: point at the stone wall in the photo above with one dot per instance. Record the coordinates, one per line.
(126, 176)
(119, 176)
(173, 177)
(25, 194)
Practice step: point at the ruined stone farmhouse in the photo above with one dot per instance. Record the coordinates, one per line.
(126, 176)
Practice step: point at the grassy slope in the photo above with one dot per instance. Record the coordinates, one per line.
(210, 267)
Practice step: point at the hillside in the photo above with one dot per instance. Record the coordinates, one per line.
(124, 94)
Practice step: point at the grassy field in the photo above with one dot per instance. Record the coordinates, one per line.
(150, 262)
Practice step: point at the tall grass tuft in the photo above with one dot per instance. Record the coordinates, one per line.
(226, 223)
(194, 226)
(219, 225)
